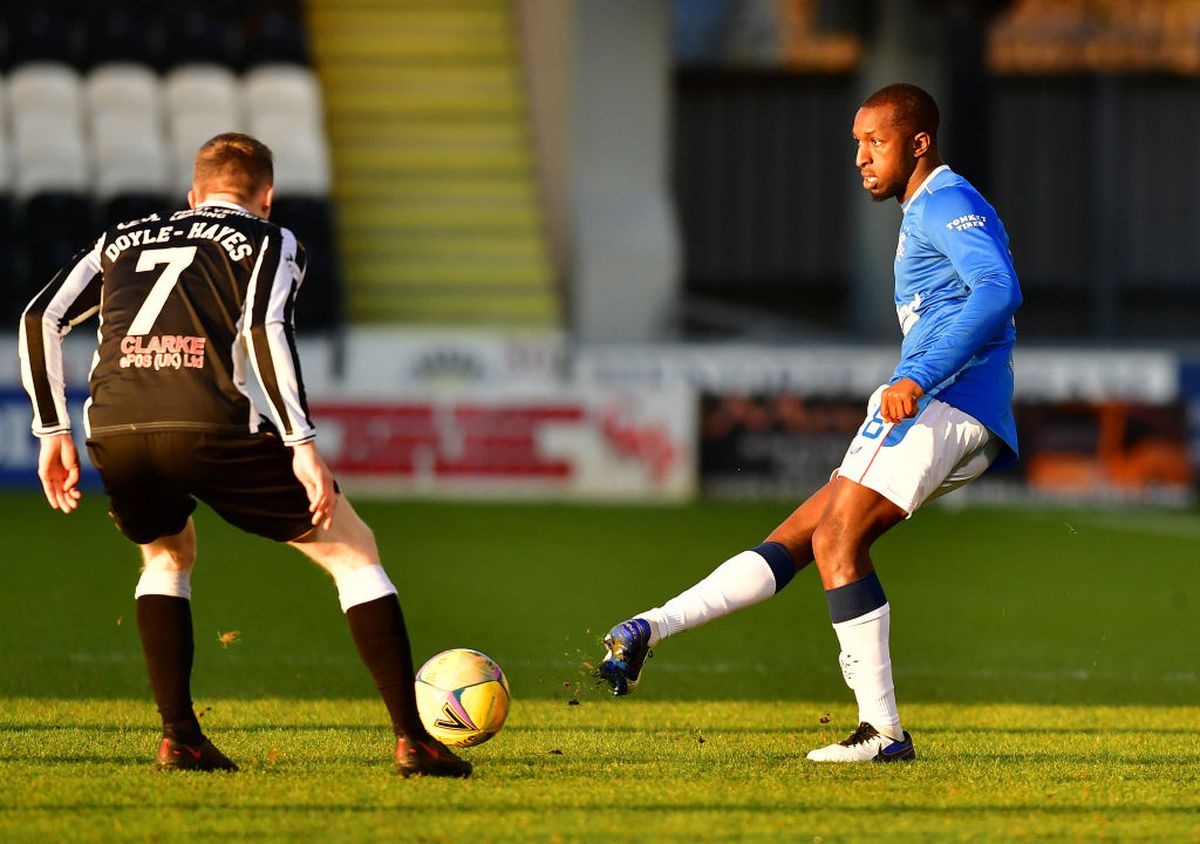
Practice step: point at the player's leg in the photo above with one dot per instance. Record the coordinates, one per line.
(347, 550)
(164, 619)
(888, 472)
(150, 509)
(743, 580)
(249, 481)
(861, 618)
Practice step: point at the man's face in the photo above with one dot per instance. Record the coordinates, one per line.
(884, 153)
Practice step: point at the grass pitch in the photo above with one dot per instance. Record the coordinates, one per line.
(1046, 664)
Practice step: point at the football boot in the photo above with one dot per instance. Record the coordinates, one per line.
(628, 648)
(428, 757)
(866, 744)
(174, 755)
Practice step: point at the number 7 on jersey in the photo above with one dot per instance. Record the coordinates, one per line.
(177, 259)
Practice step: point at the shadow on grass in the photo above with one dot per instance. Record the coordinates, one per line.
(1065, 731)
(486, 808)
(714, 730)
(81, 759)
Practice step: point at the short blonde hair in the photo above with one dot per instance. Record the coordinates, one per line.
(234, 163)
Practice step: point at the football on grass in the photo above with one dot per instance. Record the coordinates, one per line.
(462, 696)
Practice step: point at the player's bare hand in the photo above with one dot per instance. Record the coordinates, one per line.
(313, 472)
(899, 400)
(58, 468)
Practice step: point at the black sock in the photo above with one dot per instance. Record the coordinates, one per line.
(165, 626)
(378, 630)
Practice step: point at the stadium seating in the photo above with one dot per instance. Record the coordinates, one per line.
(202, 100)
(204, 32)
(121, 31)
(48, 30)
(51, 168)
(275, 33)
(283, 106)
(104, 105)
(48, 86)
(11, 262)
(132, 164)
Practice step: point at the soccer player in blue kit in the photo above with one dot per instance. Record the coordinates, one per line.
(943, 419)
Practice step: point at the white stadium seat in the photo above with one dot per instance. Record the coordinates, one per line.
(301, 153)
(49, 153)
(46, 86)
(201, 101)
(188, 132)
(283, 89)
(126, 87)
(130, 154)
(203, 87)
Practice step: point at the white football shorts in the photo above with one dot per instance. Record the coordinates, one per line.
(921, 458)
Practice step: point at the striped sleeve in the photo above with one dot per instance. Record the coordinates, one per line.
(271, 336)
(71, 297)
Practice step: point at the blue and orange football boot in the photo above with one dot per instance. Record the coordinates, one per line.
(628, 648)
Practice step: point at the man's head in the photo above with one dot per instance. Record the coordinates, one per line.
(895, 131)
(234, 168)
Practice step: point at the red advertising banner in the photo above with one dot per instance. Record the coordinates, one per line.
(602, 445)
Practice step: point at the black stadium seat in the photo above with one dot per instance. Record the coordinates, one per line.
(134, 206)
(204, 32)
(125, 31)
(275, 33)
(12, 269)
(47, 31)
(54, 226)
(319, 307)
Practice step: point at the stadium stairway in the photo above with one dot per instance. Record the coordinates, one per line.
(440, 221)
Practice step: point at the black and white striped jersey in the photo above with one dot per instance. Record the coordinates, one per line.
(188, 304)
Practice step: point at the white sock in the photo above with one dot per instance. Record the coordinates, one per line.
(358, 586)
(738, 582)
(175, 584)
(867, 666)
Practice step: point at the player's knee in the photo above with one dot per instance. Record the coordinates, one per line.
(174, 558)
(827, 539)
(171, 553)
(355, 533)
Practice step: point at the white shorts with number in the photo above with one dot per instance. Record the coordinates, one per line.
(919, 459)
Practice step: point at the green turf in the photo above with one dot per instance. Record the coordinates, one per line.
(1046, 663)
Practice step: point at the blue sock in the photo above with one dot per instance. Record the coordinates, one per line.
(855, 599)
(780, 560)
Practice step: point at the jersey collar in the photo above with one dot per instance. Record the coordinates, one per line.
(923, 186)
(220, 203)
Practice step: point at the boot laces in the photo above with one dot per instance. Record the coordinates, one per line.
(864, 733)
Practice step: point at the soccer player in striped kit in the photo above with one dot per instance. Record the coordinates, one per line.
(942, 420)
(190, 305)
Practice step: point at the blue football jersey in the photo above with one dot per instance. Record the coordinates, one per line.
(956, 293)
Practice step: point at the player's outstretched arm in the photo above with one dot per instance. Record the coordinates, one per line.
(58, 468)
(313, 472)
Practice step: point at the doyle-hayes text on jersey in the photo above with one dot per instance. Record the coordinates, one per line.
(187, 305)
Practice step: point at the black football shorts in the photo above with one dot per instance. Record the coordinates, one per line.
(154, 478)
